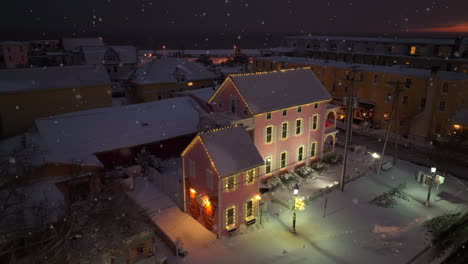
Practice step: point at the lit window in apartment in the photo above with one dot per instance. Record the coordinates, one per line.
(388, 98)
(284, 130)
(285, 112)
(441, 106)
(413, 50)
(300, 153)
(445, 88)
(230, 218)
(268, 134)
(405, 99)
(268, 164)
(190, 84)
(268, 115)
(230, 183)
(298, 126)
(283, 159)
(250, 176)
(315, 122)
(249, 210)
(313, 149)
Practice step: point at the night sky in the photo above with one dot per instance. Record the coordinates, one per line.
(358, 16)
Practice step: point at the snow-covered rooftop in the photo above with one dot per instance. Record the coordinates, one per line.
(210, 52)
(397, 69)
(203, 93)
(268, 91)
(76, 136)
(167, 70)
(231, 150)
(73, 44)
(434, 41)
(95, 54)
(14, 80)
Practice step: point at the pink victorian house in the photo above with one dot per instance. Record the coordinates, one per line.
(220, 170)
(287, 114)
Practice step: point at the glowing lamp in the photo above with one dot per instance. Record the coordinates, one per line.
(433, 169)
(296, 189)
(375, 155)
(192, 190)
(456, 126)
(258, 197)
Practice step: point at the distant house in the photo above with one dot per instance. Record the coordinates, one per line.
(72, 46)
(13, 54)
(159, 78)
(118, 60)
(287, 114)
(32, 93)
(220, 171)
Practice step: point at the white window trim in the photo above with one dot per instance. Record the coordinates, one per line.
(287, 130)
(271, 164)
(315, 148)
(234, 215)
(286, 159)
(312, 122)
(272, 134)
(297, 153)
(251, 217)
(301, 128)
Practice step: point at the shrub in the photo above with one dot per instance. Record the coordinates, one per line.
(286, 177)
(272, 182)
(304, 172)
(318, 166)
(333, 159)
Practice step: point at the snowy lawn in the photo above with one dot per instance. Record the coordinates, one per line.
(354, 230)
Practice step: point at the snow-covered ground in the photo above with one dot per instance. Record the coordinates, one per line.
(353, 230)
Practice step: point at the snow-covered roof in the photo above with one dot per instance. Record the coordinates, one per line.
(166, 70)
(95, 54)
(279, 49)
(207, 52)
(74, 44)
(434, 41)
(14, 80)
(76, 136)
(268, 91)
(203, 93)
(231, 150)
(396, 69)
(460, 116)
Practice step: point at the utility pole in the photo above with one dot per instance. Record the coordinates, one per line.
(396, 95)
(350, 102)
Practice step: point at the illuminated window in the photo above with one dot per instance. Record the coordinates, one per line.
(300, 153)
(298, 126)
(209, 179)
(285, 112)
(388, 98)
(230, 183)
(413, 50)
(268, 134)
(313, 149)
(283, 159)
(284, 130)
(191, 168)
(231, 218)
(268, 164)
(190, 84)
(250, 176)
(268, 115)
(315, 122)
(249, 210)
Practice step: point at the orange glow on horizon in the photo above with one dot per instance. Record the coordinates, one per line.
(455, 28)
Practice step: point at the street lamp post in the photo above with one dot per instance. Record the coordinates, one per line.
(296, 191)
(433, 171)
